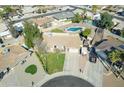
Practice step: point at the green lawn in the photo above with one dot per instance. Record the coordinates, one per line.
(57, 30)
(67, 21)
(32, 69)
(55, 62)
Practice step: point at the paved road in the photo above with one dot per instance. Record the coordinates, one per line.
(67, 81)
(39, 15)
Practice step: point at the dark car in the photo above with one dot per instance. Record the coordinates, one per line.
(116, 31)
(2, 75)
(1, 41)
(118, 65)
(92, 55)
(121, 13)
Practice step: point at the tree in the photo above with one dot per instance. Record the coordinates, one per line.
(106, 21)
(86, 32)
(77, 18)
(122, 56)
(1, 13)
(31, 34)
(39, 11)
(115, 56)
(44, 10)
(8, 9)
(122, 32)
(94, 8)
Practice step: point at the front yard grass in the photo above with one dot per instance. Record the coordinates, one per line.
(55, 62)
(52, 62)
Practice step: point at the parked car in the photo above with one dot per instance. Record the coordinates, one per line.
(92, 55)
(2, 75)
(118, 66)
(116, 31)
(1, 41)
(121, 13)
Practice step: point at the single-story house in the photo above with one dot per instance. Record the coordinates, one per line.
(4, 32)
(63, 15)
(18, 27)
(97, 16)
(80, 11)
(54, 40)
(13, 56)
(44, 22)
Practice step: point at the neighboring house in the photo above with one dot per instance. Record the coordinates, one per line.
(80, 11)
(18, 27)
(121, 13)
(97, 16)
(5, 35)
(44, 22)
(28, 9)
(11, 56)
(63, 15)
(118, 26)
(103, 48)
(4, 32)
(105, 45)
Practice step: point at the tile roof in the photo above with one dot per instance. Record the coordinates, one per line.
(63, 15)
(42, 21)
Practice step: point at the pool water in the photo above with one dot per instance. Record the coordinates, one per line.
(73, 29)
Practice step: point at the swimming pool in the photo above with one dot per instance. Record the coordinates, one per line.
(73, 29)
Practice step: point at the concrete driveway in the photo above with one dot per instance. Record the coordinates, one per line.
(93, 72)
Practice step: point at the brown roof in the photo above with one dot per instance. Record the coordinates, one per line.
(42, 21)
(9, 60)
(72, 41)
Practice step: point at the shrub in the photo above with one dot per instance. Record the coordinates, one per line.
(32, 69)
(86, 32)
